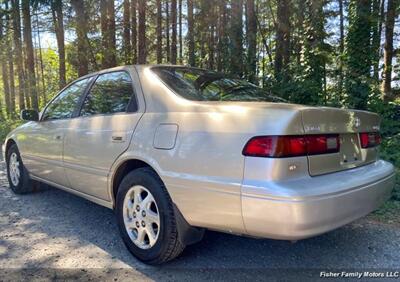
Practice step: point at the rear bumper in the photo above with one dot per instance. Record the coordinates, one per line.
(306, 207)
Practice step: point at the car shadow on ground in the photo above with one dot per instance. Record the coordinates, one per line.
(55, 214)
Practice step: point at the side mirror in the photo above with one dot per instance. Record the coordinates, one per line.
(30, 115)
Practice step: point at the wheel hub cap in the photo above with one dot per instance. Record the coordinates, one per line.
(141, 217)
(14, 169)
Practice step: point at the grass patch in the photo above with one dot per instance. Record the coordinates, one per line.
(389, 213)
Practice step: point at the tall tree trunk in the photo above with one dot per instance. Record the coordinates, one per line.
(4, 70)
(282, 52)
(134, 28)
(12, 82)
(251, 41)
(300, 30)
(388, 50)
(30, 63)
(211, 37)
(111, 34)
(18, 52)
(167, 29)
(222, 38)
(192, 59)
(107, 24)
(58, 23)
(41, 61)
(358, 60)
(10, 59)
(236, 66)
(376, 39)
(174, 49)
(81, 30)
(341, 50)
(142, 32)
(104, 29)
(180, 33)
(127, 32)
(6, 89)
(159, 32)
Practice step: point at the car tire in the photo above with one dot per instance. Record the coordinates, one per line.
(133, 204)
(17, 174)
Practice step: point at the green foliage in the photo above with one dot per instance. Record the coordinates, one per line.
(390, 130)
(6, 126)
(358, 54)
(313, 55)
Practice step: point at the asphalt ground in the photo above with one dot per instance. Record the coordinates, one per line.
(51, 235)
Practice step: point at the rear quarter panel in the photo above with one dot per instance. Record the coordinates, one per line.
(203, 172)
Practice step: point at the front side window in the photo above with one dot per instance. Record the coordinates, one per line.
(111, 93)
(203, 85)
(63, 106)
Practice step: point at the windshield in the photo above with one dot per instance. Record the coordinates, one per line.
(203, 85)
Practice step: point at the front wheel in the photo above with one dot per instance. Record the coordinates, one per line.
(18, 176)
(146, 217)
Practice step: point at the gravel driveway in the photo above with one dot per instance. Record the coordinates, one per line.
(65, 236)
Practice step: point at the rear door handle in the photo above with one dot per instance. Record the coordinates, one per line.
(58, 137)
(117, 138)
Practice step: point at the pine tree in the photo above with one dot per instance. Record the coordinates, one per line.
(127, 32)
(282, 53)
(159, 32)
(313, 58)
(174, 32)
(358, 61)
(29, 59)
(107, 24)
(190, 35)
(58, 23)
(134, 28)
(388, 54)
(142, 51)
(251, 34)
(16, 17)
(222, 50)
(4, 70)
(81, 30)
(236, 50)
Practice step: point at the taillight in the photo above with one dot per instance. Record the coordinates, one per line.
(322, 144)
(370, 139)
(291, 146)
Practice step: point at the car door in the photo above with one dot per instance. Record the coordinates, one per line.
(103, 131)
(44, 140)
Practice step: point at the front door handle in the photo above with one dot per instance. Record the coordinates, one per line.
(58, 137)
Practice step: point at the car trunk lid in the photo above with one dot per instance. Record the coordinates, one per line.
(348, 124)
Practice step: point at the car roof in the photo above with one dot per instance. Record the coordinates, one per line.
(124, 67)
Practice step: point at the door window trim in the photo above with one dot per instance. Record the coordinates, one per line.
(133, 104)
(61, 91)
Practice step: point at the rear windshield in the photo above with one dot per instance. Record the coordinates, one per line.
(203, 85)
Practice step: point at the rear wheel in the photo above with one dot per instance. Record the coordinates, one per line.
(18, 176)
(146, 217)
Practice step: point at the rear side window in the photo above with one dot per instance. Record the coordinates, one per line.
(111, 93)
(63, 106)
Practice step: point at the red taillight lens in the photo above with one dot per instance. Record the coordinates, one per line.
(291, 146)
(275, 146)
(322, 144)
(370, 139)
